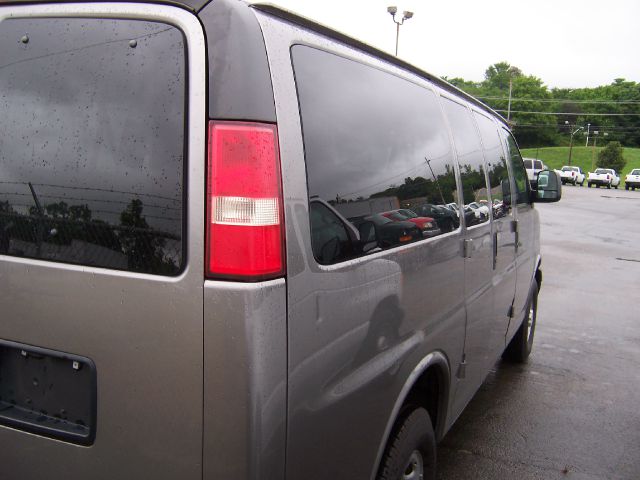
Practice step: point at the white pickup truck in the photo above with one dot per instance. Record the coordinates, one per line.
(607, 177)
(572, 175)
(632, 180)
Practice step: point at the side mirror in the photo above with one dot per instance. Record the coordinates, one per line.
(368, 236)
(549, 187)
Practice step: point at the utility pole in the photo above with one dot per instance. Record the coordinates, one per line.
(509, 106)
(406, 15)
(593, 150)
(435, 179)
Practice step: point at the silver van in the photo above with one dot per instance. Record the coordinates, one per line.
(197, 280)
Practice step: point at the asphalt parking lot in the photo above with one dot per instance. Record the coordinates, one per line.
(573, 411)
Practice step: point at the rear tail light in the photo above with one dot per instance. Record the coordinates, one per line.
(608, 177)
(245, 234)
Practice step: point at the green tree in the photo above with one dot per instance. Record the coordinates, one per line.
(611, 157)
(499, 74)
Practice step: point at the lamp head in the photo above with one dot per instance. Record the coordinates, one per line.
(392, 10)
(407, 15)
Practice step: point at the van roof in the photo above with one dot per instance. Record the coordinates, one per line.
(341, 37)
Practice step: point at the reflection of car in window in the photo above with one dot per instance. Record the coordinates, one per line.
(445, 217)
(391, 233)
(427, 225)
(482, 210)
(329, 235)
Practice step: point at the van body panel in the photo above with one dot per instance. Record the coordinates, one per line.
(143, 332)
(340, 370)
(245, 379)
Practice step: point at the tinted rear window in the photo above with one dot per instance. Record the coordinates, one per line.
(92, 116)
(527, 164)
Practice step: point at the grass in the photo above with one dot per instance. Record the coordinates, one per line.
(556, 157)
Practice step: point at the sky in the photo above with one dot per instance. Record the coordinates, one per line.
(566, 43)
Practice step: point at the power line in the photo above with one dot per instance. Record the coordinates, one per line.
(593, 127)
(577, 114)
(553, 100)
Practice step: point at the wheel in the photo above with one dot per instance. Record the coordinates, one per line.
(626, 187)
(582, 183)
(574, 182)
(616, 187)
(609, 186)
(519, 348)
(411, 451)
(589, 184)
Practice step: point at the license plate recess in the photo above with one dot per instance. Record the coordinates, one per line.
(47, 392)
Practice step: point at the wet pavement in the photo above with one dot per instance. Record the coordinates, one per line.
(573, 411)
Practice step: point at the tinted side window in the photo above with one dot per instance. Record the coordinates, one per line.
(497, 171)
(374, 144)
(519, 172)
(471, 160)
(92, 142)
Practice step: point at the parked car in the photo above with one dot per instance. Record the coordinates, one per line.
(632, 180)
(605, 177)
(446, 218)
(572, 175)
(184, 295)
(533, 166)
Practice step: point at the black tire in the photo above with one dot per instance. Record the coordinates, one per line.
(589, 184)
(616, 187)
(574, 182)
(582, 183)
(412, 437)
(609, 186)
(520, 346)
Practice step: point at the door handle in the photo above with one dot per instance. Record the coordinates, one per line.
(467, 247)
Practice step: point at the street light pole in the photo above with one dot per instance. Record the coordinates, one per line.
(406, 15)
(588, 127)
(571, 142)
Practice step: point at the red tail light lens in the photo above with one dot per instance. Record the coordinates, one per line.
(245, 234)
